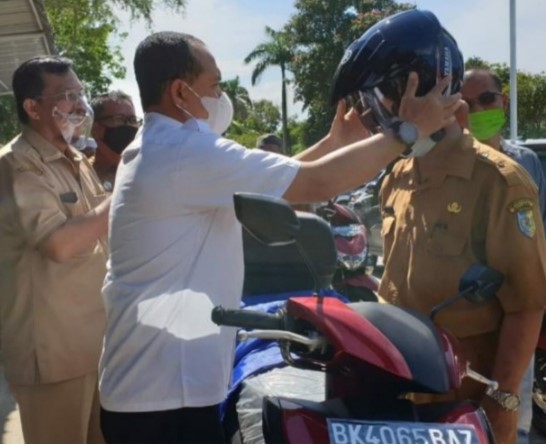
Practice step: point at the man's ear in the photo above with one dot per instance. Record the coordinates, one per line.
(31, 108)
(178, 90)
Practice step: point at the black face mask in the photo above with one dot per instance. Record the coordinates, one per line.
(117, 138)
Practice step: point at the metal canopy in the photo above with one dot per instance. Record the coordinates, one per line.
(24, 33)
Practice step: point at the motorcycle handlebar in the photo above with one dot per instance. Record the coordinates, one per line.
(247, 319)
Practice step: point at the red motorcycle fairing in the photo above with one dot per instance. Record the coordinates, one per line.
(456, 363)
(351, 334)
(397, 348)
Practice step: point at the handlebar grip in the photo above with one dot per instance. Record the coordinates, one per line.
(247, 319)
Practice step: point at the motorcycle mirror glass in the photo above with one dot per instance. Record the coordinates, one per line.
(272, 221)
(480, 283)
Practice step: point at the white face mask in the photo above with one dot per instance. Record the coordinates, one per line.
(220, 110)
(421, 147)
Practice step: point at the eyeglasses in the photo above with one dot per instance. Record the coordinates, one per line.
(70, 96)
(485, 98)
(120, 120)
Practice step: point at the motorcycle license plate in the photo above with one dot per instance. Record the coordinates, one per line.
(345, 431)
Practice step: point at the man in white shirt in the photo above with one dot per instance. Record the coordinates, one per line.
(176, 246)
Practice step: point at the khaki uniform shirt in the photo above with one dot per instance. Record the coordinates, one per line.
(52, 315)
(462, 203)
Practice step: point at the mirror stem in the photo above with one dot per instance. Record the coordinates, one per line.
(449, 301)
(309, 265)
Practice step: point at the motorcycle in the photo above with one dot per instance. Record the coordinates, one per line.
(365, 204)
(353, 276)
(371, 355)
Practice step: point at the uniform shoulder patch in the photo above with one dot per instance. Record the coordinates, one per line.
(523, 210)
(520, 204)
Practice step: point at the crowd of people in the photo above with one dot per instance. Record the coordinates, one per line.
(110, 227)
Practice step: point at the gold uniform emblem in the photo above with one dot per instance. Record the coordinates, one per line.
(454, 207)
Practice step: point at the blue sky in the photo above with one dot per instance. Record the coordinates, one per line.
(232, 28)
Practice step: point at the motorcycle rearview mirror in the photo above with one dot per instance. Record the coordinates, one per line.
(272, 221)
(478, 284)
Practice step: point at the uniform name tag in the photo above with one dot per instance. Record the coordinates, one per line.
(70, 197)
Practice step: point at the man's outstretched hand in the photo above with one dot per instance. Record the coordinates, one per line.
(347, 127)
(432, 111)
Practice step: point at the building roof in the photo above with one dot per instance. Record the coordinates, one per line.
(24, 33)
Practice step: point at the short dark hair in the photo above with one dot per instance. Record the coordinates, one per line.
(28, 81)
(162, 57)
(496, 79)
(269, 139)
(98, 102)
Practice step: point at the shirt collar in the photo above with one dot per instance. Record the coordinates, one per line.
(47, 151)
(456, 158)
(152, 118)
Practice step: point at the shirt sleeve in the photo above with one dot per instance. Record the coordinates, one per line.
(214, 168)
(516, 246)
(38, 206)
(538, 176)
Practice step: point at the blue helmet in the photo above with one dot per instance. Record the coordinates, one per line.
(378, 63)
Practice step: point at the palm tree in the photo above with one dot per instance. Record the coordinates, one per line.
(276, 51)
(239, 97)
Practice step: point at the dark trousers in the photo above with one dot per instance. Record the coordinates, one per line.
(181, 426)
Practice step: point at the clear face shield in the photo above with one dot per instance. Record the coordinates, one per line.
(74, 117)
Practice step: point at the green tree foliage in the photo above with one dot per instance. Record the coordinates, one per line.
(83, 30)
(319, 31)
(531, 96)
(296, 129)
(239, 97)
(264, 118)
(275, 51)
(9, 124)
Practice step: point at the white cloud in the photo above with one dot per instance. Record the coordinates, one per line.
(233, 28)
(482, 28)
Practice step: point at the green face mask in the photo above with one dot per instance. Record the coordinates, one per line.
(485, 124)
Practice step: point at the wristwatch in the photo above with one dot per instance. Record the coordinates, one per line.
(508, 401)
(405, 132)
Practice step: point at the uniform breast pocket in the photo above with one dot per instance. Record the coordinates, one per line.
(446, 242)
(72, 204)
(387, 234)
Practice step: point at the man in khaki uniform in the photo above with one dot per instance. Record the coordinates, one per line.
(115, 125)
(53, 222)
(464, 203)
(451, 203)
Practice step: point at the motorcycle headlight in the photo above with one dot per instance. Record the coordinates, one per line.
(352, 261)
